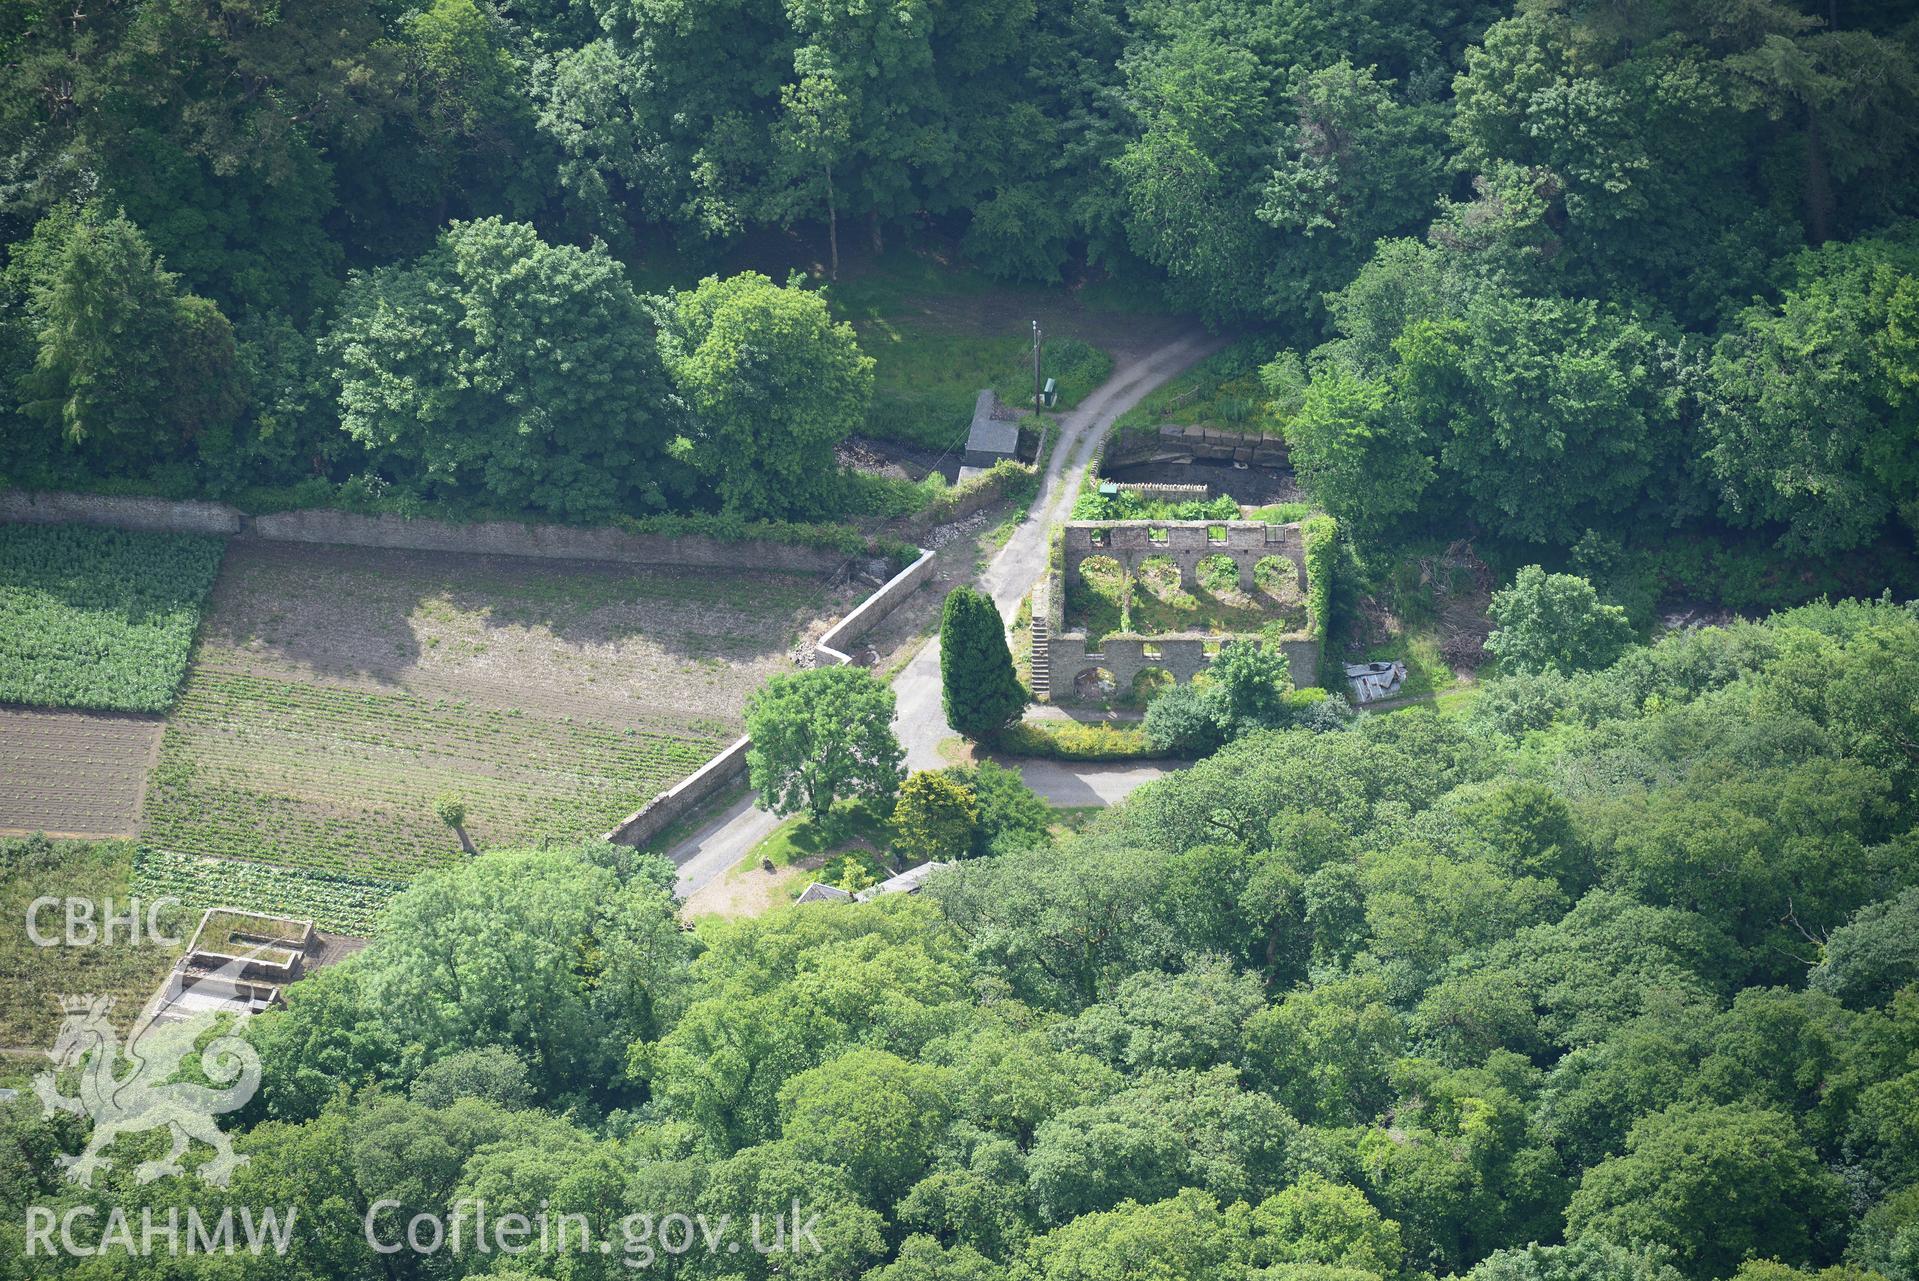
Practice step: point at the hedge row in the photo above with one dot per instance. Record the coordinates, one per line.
(1066, 740)
(1003, 480)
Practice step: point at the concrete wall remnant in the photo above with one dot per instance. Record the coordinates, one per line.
(1171, 492)
(1174, 442)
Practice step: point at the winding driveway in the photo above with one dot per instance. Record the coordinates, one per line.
(921, 721)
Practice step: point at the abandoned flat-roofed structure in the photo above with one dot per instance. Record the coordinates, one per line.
(990, 439)
(1371, 682)
(241, 962)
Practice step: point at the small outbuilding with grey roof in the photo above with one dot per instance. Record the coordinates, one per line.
(990, 439)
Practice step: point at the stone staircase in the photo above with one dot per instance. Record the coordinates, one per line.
(1042, 667)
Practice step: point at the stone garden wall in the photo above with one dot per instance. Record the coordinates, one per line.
(1180, 656)
(1174, 443)
(485, 538)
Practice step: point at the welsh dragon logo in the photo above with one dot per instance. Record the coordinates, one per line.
(146, 1097)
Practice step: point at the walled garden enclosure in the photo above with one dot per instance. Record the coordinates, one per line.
(1132, 605)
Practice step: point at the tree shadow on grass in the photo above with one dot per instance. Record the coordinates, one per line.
(371, 613)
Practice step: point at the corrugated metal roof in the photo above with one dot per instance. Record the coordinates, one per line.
(1372, 681)
(907, 882)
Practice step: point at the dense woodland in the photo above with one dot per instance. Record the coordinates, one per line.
(1574, 269)
(1611, 974)
(1611, 979)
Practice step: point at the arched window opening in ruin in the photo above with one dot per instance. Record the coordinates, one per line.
(1095, 685)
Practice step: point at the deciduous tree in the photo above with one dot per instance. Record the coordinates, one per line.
(500, 367)
(1251, 680)
(871, 1114)
(128, 365)
(934, 818)
(1012, 816)
(821, 736)
(774, 384)
(1814, 423)
(1356, 451)
(1555, 621)
(1715, 1185)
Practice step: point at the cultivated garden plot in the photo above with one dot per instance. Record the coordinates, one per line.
(338, 694)
(98, 618)
(73, 773)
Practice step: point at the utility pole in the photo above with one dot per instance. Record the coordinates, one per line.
(1038, 339)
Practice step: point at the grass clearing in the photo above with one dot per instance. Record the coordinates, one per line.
(1072, 741)
(1224, 390)
(33, 977)
(1071, 820)
(1278, 513)
(1074, 364)
(1427, 671)
(844, 849)
(802, 837)
(1426, 608)
(99, 618)
(1458, 702)
(1103, 599)
(938, 333)
(926, 379)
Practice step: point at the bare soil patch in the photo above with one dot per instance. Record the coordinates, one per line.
(751, 891)
(901, 459)
(1463, 590)
(965, 546)
(1251, 486)
(76, 774)
(576, 637)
